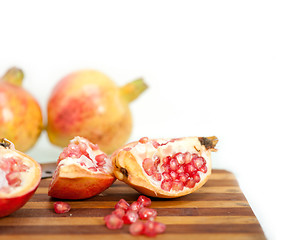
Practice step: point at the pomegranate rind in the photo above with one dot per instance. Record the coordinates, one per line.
(75, 182)
(128, 169)
(11, 202)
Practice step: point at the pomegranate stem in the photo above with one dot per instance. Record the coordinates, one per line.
(132, 90)
(14, 76)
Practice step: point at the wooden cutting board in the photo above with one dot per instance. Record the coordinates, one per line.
(218, 210)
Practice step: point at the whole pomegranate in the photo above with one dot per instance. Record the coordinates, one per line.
(165, 168)
(20, 114)
(87, 103)
(19, 178)
(83, 171)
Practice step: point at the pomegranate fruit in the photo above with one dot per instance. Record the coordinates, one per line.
(83, 171)
(20, 114)
(165, 168)
(89, 104)
(19, 178)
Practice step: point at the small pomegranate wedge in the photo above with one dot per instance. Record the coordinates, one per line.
(83, 171)
(165, 168)
(19, 178)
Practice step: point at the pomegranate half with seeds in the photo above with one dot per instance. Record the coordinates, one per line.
(165, 168)
(83, 171)
(19, 178)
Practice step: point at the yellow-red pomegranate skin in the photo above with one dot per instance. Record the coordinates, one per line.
(87, 103)
(21, 118)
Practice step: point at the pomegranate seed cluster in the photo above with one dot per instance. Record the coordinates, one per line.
(10, 173)
(177, 171)
(138, 214)
(77, 149)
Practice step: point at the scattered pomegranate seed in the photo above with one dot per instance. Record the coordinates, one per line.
(144, 140)
(119, 212)
(112, 221)
(135, 206)
(61, 207)
(137, 228)
(147, 213)
(122, 204)
(123, 214)
(144, 201)
(130, 217)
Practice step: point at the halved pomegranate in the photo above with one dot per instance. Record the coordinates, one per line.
(165, 168)
(19, 178)
(83, 171)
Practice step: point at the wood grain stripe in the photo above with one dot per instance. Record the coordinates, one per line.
(93, 212)
(165, 236)
(98, 229)
(82, 221)
(165, 204)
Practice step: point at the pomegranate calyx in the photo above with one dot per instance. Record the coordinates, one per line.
(14, 76)
(132, 90)
(209, 142)
(6, 144)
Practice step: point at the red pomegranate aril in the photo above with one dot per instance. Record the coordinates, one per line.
(173, 175)
(147, 213)
(155, 144)
(148, 166)
(166, 168)
(119, 212)
(112, 221)
(61, 207)
(13, 179)
(166, 185)
(156, 161)
(166, 160)
(144, 140)
(190, 183)
(196, 177)
(159, 227)
(100, 159)
(137, 228)
(93, 169)
(157, 176)
(130, 217)
(166, 176)
(187, 157)
(122, 204)
(177, 185)
(174, 165)
(144, 201)
(190, 169)
(198, 162)
(181, 169)
(183, 177)
(204, 169)
(135, 206)
(179, 157)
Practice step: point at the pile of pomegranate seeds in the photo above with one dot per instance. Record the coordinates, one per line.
(139, 215)
(61, 207)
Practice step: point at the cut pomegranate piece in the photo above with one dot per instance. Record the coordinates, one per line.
(165, 167)
(112, 221)
(137, 228)
(19, 178)
(61, 207)
(83, 171)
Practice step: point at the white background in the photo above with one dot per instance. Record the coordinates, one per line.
(234, 69)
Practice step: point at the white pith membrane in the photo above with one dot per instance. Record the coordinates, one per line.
(88, 163)
(29, 169)
(169, 147)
